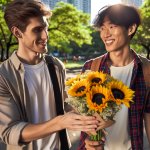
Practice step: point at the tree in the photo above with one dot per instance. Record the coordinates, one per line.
(96, 48)
(6, 38)
(141, 40)
(67, 24)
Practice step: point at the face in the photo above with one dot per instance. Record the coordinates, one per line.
(35, 37)
(114, 37)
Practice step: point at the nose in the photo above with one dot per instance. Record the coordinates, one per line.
(107, 33)
(44, 34)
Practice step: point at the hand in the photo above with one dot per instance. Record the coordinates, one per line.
(77, 122)
(94, 145)
(102, 123)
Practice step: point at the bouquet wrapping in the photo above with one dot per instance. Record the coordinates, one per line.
(98, 93)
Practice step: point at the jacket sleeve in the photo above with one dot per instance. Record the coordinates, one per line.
(11, 124)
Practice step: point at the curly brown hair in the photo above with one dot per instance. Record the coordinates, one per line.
(18, 13)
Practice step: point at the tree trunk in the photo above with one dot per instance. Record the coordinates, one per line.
(2, 52)
(2, 55)
(148, 52)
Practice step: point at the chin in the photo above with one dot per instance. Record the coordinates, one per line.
(109, 49)
(43, 50)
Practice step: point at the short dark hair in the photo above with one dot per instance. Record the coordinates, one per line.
(18, 13)
(119, 14)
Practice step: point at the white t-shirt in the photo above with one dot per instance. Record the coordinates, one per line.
(42, 102)
(118, 134)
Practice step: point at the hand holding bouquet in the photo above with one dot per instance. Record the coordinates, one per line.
(97, 93)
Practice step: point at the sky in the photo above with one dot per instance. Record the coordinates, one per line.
(96, 5)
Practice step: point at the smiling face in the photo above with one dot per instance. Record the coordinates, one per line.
(115, 37)
(34, 39)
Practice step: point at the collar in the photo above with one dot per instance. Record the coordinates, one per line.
(137, 58)
(15, 61)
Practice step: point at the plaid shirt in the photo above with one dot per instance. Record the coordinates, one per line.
(136, 110)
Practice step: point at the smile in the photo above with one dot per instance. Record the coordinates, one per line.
(109, 42)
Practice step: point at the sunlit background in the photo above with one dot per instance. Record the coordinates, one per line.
(92, 6)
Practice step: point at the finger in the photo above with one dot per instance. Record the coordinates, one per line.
(105, 132)
(81, 117)
(105, 124)
(100, 127)
(96, 143)
(91, 132)
(89, 124)
(94, 123)
(86, 118)
(88, 147)
(92, 143)
(82, 128)
(103, 139)
(98, 117)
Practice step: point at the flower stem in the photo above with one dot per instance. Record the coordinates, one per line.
(97, 137)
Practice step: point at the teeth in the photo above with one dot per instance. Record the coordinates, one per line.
(108, 41)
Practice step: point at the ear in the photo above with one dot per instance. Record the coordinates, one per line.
(16, 32)
(132, 29)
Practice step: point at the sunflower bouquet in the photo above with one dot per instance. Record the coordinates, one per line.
(97, 92)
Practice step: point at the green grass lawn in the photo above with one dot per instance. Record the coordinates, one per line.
(71, 64)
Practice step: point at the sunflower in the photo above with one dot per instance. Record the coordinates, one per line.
(120, 93)
(70, 81)
(79, 88)
(96, 78)
(97, 98)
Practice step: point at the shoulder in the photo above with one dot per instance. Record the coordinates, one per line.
(144, 60)
(55, 60)
(93, 61)
(146, 69)
(5, 66)
(87, 65)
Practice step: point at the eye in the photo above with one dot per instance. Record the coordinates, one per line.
(112, 26)
(101, 28)
(37, 30)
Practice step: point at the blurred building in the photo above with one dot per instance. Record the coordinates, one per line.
(83, 5)
(137, 3)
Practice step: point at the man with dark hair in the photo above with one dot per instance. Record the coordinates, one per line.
(117, 25)
(32, 86)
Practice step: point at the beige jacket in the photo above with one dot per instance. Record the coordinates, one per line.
(14, 102)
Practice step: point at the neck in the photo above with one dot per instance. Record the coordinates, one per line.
(31, 59)
(121, 58)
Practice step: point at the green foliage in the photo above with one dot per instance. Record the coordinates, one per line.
(141, 40)
(4, 2)
(68, 24)
(92, 50)
(72, 64)
(7, 41)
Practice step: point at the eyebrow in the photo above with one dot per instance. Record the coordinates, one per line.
(42, 26)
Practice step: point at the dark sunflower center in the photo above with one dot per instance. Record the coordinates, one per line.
(80, 89)
(96, 80)
(97, 98)
(118, 94)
